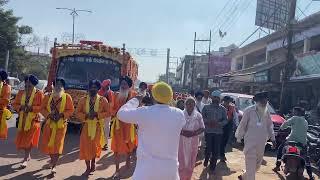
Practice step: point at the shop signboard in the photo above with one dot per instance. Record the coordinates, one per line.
(261, 77)
(308, 66)
(219, 65)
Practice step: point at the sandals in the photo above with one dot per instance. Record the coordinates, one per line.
(53, 171)
(24, 164)
(116, 176)
(87, 173)
(93, 169)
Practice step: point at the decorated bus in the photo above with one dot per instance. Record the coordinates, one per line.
(79, 63)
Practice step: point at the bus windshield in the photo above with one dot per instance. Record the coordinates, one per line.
(78, 70)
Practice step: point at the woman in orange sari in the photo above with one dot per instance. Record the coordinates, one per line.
(5, 114)
(28, 105)
(92, 110)
(57, 107)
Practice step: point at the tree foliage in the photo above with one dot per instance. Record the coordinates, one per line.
(15, 38)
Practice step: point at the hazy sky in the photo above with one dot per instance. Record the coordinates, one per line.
(148, 23)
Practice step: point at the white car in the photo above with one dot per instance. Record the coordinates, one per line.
(41, 86)
(13, 82)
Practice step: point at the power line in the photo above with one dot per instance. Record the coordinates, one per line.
(218, 15)
(229, 13)
(305, 9)
(229, 25)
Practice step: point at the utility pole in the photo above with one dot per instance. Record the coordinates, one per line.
(172, 68)
(287, 72)
(123, 49)
(194, 59)
(209, 56)
(7, 60)
(168, 62)
(74, 13)
(201, 53)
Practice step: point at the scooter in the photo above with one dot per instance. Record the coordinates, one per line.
(294, 163)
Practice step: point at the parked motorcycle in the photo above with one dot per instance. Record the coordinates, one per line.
(294, 163)
(313, 137)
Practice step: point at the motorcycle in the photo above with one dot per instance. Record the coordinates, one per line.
(294, 163)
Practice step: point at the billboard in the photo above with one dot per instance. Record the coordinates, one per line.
(272, 14)
(219, 65)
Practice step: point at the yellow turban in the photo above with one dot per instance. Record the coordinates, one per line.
(162, 93)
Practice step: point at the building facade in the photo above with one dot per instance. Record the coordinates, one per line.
(259, 65)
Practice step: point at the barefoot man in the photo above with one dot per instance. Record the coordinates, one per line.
(92, 110)
(57, 107)
(106, 92)
(28, 105)
(123, 134)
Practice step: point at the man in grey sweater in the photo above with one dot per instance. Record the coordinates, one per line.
(214, 117)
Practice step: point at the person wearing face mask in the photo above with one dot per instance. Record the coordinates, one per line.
(214, 117)
(92, 110)
(28, 105)
(57, 107)
(256, 128)
(123, 135)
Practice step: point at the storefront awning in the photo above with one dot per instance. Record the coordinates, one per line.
(253, 70)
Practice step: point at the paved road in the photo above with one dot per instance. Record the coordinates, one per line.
(71, 168)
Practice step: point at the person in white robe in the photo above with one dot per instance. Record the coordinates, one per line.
(256, 128)
(189, 140)
(158, 137)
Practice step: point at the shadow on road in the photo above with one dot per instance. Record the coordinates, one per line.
(8, 147)
(105, 161)
(221, 170)
(77, 178)
(29, 175)
(8, 169)
(279, 175)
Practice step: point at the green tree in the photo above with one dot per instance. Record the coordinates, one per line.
(12, 38)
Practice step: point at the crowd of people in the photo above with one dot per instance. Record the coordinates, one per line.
(163, 129)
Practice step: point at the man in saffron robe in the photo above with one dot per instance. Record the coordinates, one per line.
(5, 114)
(92, 110)
(28, 105)
(106, 92)
(57, 107)
(123, 134)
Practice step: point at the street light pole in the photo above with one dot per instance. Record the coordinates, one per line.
(74, 13)
(73, 18)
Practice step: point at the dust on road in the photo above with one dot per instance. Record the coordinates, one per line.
(71, 168)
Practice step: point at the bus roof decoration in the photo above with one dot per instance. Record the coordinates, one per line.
(94, 50)
(91, 42)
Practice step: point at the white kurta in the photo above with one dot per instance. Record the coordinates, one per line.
(158, 139)
(188, 148)
(256, 131)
